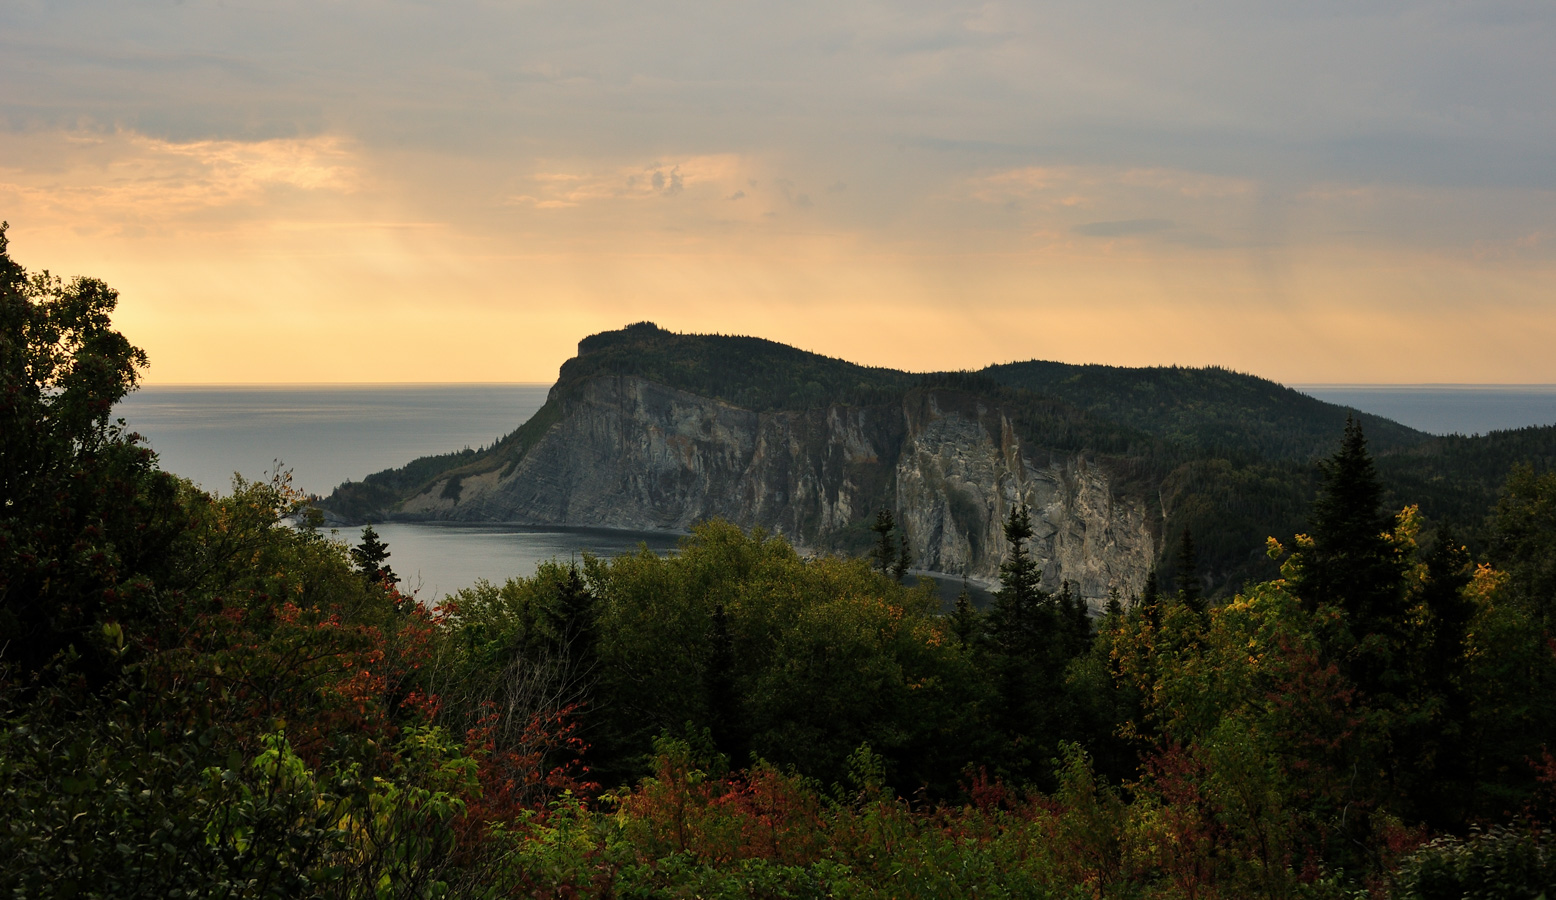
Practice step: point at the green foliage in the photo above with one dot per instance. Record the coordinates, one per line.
(210, 703)
(747, 372)
(1498, 863)
(371, 558)
(1353, 569)
(1228, 455)
(1523, 540)
(1457, 479)
(1214, 412)
(85, 517)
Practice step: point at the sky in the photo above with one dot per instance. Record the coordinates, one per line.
(351, 191)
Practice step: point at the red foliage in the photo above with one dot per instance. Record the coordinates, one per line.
(774, 817)
(986, 794)
(1194, 829)
(1541, 808)
(545, 762)
(760, 813)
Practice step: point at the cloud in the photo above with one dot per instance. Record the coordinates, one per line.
(107, 180)
(1123, 227)
(1004, 143)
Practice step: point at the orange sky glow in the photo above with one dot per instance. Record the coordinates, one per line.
(934, 205)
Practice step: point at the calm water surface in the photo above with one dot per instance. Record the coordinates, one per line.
(1447, 408)
(327, 434)
(436, 560)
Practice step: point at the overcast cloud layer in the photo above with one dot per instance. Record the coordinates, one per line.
(344, 191)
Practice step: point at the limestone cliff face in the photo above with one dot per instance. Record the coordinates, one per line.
(629, 453)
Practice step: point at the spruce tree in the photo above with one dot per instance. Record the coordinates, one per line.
(1114, 611)
(372, 559)
(1075, 621)
(573, 627)
(885, 552)
(1151, 601)
(1354, 568)
(1017, 602)
(899, 566)
(1433, 748)
(1023, 629)
(966, 621)
(1189, 588)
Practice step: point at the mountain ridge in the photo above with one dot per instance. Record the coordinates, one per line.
(1224, 454)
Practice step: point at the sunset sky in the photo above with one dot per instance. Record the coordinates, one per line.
(339, 190)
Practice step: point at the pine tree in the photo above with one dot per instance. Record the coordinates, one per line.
(1151, 601)
(1354, 568)
(372, 559)
(1114, 611)
(573, 626)
(1189, 588)
(899, 566)
(966, 621)
(1019, 598)
(885, 552)
(1023, 629)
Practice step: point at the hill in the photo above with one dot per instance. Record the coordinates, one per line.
(646, 428)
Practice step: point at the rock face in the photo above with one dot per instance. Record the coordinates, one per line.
(629, 453)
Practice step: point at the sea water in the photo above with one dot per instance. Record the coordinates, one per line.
(328, 434)
(324, 435)
(1447, 408)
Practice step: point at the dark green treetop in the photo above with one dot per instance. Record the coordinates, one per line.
(372, 558)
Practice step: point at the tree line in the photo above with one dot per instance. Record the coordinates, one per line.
(196, 699)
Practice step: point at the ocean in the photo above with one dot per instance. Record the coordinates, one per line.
(328, 434)
(1447, 408)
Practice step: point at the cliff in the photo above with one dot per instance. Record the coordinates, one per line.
(626, 452)
(648, 429)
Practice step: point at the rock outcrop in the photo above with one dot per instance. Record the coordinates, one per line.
(626, 452)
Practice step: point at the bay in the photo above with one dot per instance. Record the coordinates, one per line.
(325, 434)
(328, 434)
(435, 560)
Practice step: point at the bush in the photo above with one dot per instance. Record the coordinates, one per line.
(1498, 863)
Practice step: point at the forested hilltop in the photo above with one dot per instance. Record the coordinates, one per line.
(197, 700)
(1224, 457)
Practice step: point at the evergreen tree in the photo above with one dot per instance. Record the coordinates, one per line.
(966, 621)
(1151, 601)
(573, 628)
(885, 552)
(1354, 568)
(899, 566)
(1189, 588)
(1023, 628)
(1075, 619)
(1114, 611)
(372, 559)
(1020, 597)
(1432, 748)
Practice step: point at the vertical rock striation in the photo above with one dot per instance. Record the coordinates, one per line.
(626, 452)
